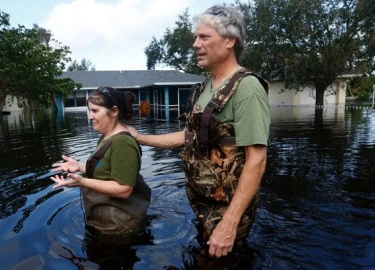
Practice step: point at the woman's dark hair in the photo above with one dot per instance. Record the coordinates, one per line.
(108, 97)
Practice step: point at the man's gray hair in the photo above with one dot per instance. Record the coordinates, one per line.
(228, 22)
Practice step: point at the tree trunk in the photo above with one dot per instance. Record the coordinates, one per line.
(318, 120)
(319, 96)
(53, 103)
(2, 98)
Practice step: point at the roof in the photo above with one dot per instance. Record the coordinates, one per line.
(280, 74)
(350, 74)
(131, 78)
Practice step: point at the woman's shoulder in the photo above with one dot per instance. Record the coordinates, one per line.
(123, 137)
(124, 144)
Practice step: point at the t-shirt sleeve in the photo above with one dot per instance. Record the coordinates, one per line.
(251, 113)
(124, 161)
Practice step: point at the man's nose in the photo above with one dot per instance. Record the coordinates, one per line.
(197, 43)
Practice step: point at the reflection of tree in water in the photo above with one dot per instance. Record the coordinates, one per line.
(30, 143)
(28, 210)
(14, 194)
(311, 156)
(365, 172)
(358, 179)
(290, 159)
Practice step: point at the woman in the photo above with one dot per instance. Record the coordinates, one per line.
(114, 194)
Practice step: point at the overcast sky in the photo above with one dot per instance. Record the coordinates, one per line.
(112, 34)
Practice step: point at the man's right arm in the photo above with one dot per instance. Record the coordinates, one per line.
(170, 140)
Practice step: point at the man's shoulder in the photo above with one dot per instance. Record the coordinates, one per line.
(250, 78)
(251, 84)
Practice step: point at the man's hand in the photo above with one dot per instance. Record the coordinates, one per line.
(221, 240)
(132, 131)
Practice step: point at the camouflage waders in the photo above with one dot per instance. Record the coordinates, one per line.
(212, 161)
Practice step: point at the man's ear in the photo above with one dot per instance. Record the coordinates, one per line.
(230, 42)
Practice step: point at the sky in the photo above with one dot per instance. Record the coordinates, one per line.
(112, 34)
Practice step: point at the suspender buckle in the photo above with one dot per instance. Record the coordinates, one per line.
(203, 147)
(214, 104)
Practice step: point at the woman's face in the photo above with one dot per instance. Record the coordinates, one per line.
(102, 119)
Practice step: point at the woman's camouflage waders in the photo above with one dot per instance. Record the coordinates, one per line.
(213, 171)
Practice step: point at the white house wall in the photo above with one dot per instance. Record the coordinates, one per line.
(341, 97)
(334, 95)
(13, 104)
(306, 97)
(280, 98)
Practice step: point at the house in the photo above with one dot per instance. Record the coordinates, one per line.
(166, 90)
(334, 95)
(13, 104)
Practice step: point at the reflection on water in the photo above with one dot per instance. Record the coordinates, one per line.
(317, 207)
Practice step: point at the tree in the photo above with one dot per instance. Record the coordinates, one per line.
(44, 35)
(29, 66)
(362, 87)
(85, 65)
(310, 41)
(175, 49)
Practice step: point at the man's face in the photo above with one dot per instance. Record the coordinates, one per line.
(211, 48)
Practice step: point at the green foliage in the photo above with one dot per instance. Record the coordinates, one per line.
(362, 87)
(304, 42)
(154, 53)
(85, 65)
(175, 49)
(29, 65)
(314, 41)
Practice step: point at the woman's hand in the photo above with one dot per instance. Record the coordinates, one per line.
(73, 180)
(70, 165)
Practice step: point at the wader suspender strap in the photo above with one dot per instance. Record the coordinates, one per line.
(192, 92)
(213, 105)
(93, 161)
(190, 97)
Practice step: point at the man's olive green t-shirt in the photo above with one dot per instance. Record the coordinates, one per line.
(120, 162)
(248, 110)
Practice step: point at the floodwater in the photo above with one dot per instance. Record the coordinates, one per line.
(317, 203)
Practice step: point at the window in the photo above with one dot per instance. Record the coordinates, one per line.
(69, 101)
(80, 98)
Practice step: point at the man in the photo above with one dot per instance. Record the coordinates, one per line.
(226, 133)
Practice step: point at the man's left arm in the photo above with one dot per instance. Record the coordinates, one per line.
(222, 238)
